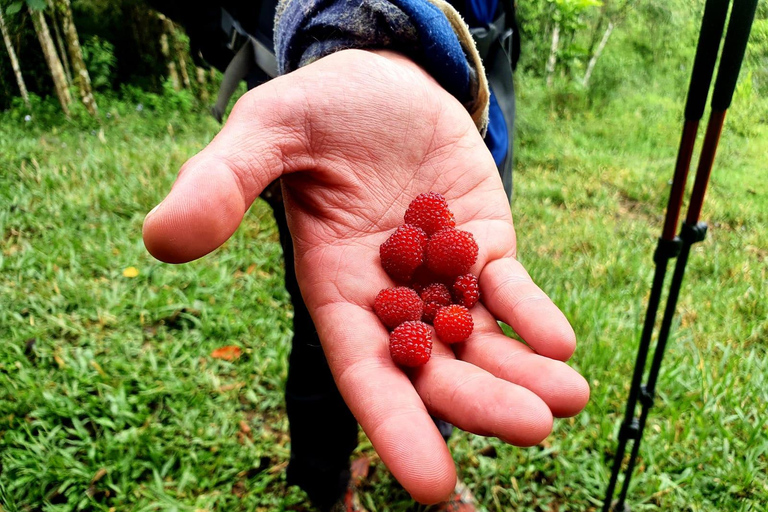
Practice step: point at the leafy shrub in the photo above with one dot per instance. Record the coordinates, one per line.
(101, 62)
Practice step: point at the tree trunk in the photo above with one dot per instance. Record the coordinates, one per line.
(598, 28)
(56, 20)
(14, 60)
(82, 78)
(166, 49)
(54, 64)
(553, 55)
(596, 55)
(202, 83)
(178, 48)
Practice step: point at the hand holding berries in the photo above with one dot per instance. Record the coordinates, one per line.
(345, 162)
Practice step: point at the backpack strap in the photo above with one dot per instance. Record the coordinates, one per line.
(263, 55)
(252, 52)
(496, 45)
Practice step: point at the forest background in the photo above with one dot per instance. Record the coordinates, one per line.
(126, 384)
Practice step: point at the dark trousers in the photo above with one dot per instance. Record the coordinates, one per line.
(323, 430)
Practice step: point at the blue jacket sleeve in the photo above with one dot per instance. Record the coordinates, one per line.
(429, 32)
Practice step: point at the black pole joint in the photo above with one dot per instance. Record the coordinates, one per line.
(630, 430)
(667, 249)
(646, 397)
(693, 233)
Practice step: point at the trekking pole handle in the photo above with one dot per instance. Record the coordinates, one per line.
(712, 23)
(739, 27)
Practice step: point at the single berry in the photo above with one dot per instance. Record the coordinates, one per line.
(453, 323)
(394, 306)
(451, 252)
(410, 344)
(466, 290)
(403, 252)
(430, 212)
(434, 296)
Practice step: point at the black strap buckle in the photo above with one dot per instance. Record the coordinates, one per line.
(236, 40)
(236, 36)
(495, 32)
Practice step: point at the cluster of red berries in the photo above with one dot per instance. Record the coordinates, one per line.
(430, 260)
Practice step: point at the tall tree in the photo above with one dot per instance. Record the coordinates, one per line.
(14, 60)
(165, 47)
(612, 13)
(82, 78)
(178, 47)
(51, 58)
(552, 60)
(596, 54)
(59, 41)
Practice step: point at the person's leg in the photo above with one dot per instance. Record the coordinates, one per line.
(323, 430)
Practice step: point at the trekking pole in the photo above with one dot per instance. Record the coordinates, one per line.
(691, 231)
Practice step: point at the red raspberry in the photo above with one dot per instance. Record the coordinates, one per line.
(453, 323)
(410, 344)
(430, 212)
(466, 290)
(403, 252)
(435, 296)
(394, 306)
(451, 252)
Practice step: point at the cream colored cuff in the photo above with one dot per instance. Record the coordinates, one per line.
(478, 109)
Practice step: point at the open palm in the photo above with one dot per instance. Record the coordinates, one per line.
(355, 137)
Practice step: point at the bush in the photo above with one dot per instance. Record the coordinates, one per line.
(101, 62)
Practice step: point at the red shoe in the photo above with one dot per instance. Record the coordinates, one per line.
(461, 500)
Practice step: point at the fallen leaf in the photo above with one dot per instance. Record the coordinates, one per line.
(96, 366)
(230, 387)
(99, 475)
(228, 353)
(131, 272)
(278, 467)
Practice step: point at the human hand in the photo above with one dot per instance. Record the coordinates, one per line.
(355, 137)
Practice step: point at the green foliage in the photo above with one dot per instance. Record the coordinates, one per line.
(99, 56)
(537, 24)
(757, 50)
(14, 7)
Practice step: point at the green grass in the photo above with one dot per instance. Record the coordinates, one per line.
(110, 400)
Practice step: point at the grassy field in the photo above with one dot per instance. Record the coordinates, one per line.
(111, 400)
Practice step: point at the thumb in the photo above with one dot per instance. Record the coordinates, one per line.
(263, 139)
